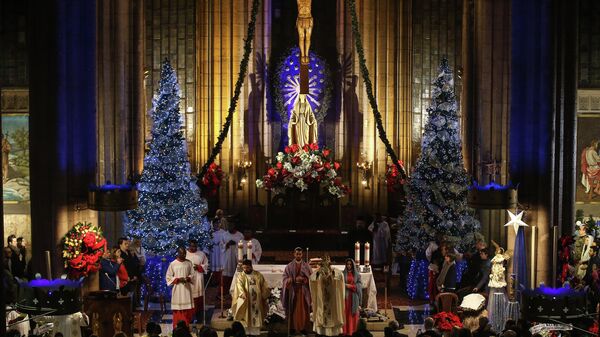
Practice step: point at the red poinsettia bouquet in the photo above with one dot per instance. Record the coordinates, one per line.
(394, 178)
(445, 321)
(212, 180)
(594, 328)
(301, 167)
(83, 246)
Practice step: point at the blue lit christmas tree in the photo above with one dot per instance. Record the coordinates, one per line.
(437, 189)
(170, 210)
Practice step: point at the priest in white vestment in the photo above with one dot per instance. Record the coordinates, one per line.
(256, 252)
(327, 294)
(249, 304)
(200, 262)
(182, 277)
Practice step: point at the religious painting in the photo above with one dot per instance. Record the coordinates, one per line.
(588, 159)
(15, 162)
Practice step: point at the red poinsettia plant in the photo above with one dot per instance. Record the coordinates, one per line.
(394, 178)
(594, 328)
(301, 167)
(445, 321)
(83, 246)
(212, 180)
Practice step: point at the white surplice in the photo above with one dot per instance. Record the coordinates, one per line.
(198, 258)
(216, 255)
(230, 254)
(256, 250)
(181, 295)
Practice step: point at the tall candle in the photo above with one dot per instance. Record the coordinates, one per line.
(240, 251)
(367, 253)
(48, 265)
(357, 253)
(249, 251)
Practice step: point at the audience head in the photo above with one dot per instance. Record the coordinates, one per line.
(21, 243)
(11, 240)
(237, 327)
(7, 255)
(58, 334)
(228, 333)
(461, 332)
(509, 324)
(116, 255)
(484, 254)
(298, 254)
(362, 324)
(509, 333)
(247, 266)
(153, 329)
(388, 332)
(17, 333)
(483, 322)
(219, 213)
(394, 325)
(480, 244)
(450, 258)
(123, 243)
(429, 323)
(181, 325)
(118, 334)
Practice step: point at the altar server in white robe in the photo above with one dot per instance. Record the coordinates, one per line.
(219, 227)
(229, 242)
(182, 277)
(256, 252)
(381, 241)
(200, 262)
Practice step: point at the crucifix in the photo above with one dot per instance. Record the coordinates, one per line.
(302, 127)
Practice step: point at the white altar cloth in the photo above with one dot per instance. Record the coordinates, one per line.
(273, 274)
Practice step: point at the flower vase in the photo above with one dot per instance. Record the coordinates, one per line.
(91, 283)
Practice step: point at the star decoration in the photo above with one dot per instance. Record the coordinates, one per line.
(565, 310)
(35, 301)
(540, 309)
(60, 301)
(515, 221)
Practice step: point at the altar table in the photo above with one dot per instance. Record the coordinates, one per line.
(273, 274)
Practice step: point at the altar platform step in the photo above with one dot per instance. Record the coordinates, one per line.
(221, 323)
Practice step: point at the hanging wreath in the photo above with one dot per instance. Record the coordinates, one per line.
(83, 246)
(212, 180)
(285, 85)
(393, 178)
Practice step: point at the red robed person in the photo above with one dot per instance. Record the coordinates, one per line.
(296, 293)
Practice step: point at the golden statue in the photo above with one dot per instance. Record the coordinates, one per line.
(304, 24)
(302, 128)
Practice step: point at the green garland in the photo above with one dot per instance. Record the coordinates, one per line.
(369, 87)
(236, 93)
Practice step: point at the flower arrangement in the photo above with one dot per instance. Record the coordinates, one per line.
(276, 311)
(394, 178)
(594, 328)
(83, 246)
(445, 321)
(302, 167)
(211, 181)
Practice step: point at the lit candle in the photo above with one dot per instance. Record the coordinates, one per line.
(357, 253)
(367, 253)
(249, 251)
(240, 251)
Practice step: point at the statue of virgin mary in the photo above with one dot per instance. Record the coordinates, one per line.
(302, 127)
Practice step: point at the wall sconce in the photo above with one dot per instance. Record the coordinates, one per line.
(365, 168)
(242, 173)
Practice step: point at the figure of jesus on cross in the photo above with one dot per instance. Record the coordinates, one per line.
(304, 24)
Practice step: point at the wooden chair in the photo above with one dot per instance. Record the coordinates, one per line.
(154, 295)
(447, 302)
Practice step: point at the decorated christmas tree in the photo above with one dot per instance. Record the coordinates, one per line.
(437, 189)
(170, 210)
